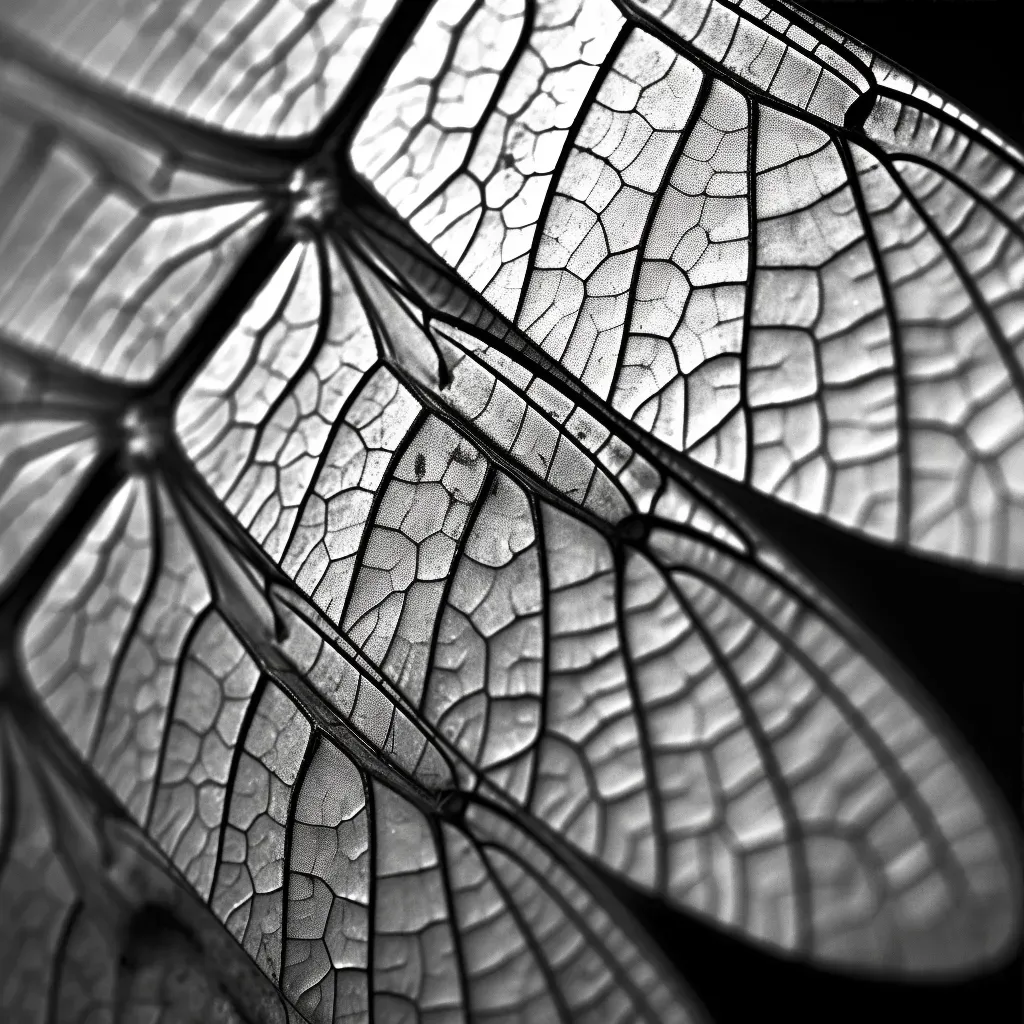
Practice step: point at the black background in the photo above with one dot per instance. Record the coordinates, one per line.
(968, 48)
(961, 634)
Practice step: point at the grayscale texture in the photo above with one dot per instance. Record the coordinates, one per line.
(372, 610)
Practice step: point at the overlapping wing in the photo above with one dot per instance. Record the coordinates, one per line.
(764, 245)
(300, 803)
(426, 919)
(117, 231)
(95, 928)
(595, 640)
(397, 619)
(220, 715)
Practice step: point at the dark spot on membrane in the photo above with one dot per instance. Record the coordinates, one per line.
(281, 629)
(451, 806)
(163, 968)
(859, 111)
(419, 466)
(633, 529)
(153, 928)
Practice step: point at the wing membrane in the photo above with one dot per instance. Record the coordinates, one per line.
(95, 927)
(619, 657)
(395, 603)
(450, 921)
(211, 702)
(742, 246)
(110, 238)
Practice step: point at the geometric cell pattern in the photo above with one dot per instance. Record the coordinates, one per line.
(368, 600)
(761, 244)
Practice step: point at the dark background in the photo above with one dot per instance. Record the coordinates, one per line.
(970, 49)
(961, 634)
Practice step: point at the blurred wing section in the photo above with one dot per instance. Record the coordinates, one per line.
(251, 67)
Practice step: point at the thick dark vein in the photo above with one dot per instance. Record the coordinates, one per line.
(905, 788)
(446, 589)
(906, 101)
(553, 989)
(1012, 364)
(437, 831)
(59, 542)
(753, 117)
(904, 498)
(661, 841)
(773, 772)
(338, 127)
(249, 277)
(239, 158)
